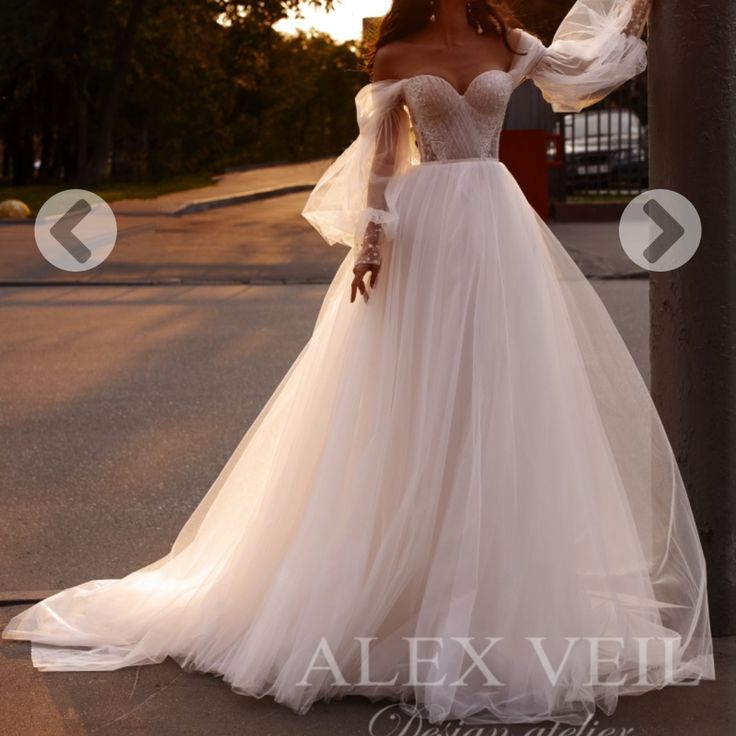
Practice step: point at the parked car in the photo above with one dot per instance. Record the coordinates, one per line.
(604, 150)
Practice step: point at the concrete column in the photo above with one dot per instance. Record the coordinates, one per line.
(692, 114)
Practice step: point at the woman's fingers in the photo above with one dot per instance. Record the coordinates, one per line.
(374, 275)
(359, 285)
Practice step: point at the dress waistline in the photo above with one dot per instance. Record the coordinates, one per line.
(459, 161)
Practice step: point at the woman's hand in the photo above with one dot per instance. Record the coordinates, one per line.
(367, 260)
(358, 284)
(639, 14)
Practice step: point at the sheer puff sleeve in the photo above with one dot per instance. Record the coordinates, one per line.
(596, 48)
(349, 204)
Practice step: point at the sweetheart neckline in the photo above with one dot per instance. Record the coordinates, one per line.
(447, 81)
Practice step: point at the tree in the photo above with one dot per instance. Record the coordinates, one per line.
(78, 79)
(541, 16)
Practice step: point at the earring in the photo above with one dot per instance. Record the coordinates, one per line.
(432, 17)
(469, 11)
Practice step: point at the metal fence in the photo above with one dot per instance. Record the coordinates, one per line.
(606, 145)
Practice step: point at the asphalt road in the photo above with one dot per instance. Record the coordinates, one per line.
(266, 241)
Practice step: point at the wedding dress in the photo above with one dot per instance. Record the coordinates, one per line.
(470, 455)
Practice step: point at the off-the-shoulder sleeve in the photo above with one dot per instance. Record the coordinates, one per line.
(596, 48)
(351, 192)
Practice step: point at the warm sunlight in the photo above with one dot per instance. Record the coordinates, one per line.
(342, 398)
(344, 23)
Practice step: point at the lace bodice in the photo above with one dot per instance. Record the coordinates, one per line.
(449, 125)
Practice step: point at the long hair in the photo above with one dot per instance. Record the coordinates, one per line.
(408, 16)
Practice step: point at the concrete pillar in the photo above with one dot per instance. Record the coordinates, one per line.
(692, 114)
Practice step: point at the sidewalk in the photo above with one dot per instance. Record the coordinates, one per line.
(240, 244)
(262, 241)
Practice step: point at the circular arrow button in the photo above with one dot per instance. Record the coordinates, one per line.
(75, 230)
(660, 230)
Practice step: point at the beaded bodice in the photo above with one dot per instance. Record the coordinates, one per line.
(449, 125)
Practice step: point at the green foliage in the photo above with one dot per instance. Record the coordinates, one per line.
(146, 89)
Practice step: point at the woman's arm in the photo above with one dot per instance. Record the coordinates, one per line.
(387, 154)
(639, 17)
(348, 204)
(595, 49)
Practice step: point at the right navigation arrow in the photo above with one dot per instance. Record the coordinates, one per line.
(672, 231)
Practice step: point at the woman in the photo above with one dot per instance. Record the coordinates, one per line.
(460, 495)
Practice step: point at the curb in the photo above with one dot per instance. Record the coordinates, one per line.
(588, 211)
(174, 281)
(201, 205)
(14, 597)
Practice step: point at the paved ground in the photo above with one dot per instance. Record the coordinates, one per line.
(258, 241)
(120, 403)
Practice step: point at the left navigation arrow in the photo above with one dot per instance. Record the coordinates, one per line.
(63, 231)
(75, 230)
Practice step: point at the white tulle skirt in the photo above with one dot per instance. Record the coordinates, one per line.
(469, 459)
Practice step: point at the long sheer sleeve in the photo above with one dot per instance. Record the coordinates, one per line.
(349, 204)
(596, 48)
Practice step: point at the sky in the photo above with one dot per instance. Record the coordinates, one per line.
(344, 23)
